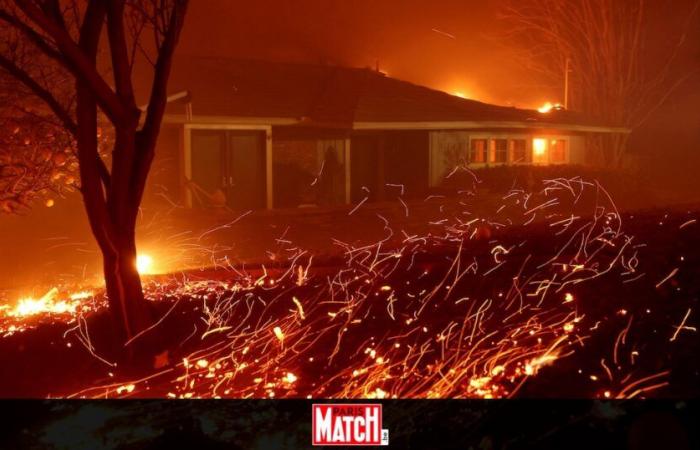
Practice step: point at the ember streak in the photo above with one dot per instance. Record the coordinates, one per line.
(473, 309)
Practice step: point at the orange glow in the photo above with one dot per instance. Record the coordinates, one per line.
(539, 146)
(459, 94)
(144, 264)
(549, 106)
(49, 303)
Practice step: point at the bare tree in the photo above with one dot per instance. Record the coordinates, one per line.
(620, 72)
(43, 38)
(37, 158)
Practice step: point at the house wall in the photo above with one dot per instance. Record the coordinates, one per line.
(386, 164)
(577, 149)
(406, 164)
(450, 150)
(374, 164)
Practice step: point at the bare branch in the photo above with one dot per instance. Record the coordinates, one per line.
(76, 60)
(121, 66)
(41, 92)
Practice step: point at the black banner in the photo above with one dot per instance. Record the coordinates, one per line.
(411, 424)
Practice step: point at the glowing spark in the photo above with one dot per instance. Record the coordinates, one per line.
(299, 308)
(690, 222)
(498, 251)
(128, 388)
(668, 277)
(435, 30)
(278, 333)
(378, 393)
(455, 348)
(81, 295)
(682, 326)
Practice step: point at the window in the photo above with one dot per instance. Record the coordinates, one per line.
(557, 151)
(539, 151)
(227, 169)
(499, 151)
(519, 153)
(477, 153)
(308, 172)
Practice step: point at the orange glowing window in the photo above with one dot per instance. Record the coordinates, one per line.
(539, 147)
(557, 151)
(477, 151)
(499, 151)
(519, 151)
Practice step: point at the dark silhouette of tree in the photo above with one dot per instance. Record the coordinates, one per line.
(45, 39)
(619, 71)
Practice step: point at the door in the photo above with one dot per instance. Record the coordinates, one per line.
(245, 160)
(229, 165)
(208, 169)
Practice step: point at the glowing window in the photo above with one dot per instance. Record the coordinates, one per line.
(539, 151)
(477, 152)
(499, 151)
(557, 151)
(519, 151)
(539, 146)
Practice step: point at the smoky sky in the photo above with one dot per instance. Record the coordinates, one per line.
(451, 45)
(448, 45)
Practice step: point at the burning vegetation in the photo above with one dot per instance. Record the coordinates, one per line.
(475, 308)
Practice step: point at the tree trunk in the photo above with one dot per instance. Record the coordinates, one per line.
(127, 304)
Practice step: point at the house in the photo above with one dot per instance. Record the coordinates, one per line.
(253, 135)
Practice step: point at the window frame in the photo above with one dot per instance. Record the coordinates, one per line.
(485, 151)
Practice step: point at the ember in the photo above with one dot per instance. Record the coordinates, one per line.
(401, 321)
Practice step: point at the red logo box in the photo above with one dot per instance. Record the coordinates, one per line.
(348, 424)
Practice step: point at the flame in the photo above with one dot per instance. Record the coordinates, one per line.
(144, 264)
(29, 306)
(549, 106)
(48, 304)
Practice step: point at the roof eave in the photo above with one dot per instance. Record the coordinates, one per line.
(228, 120)
(411, 125)
(478, 124)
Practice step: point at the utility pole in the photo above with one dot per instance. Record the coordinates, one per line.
(566, 83)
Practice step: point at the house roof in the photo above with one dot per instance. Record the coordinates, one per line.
(342, 97)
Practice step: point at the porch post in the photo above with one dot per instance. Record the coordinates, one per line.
(269, 203)
(348, 180)
(381, 178)
(187, 164)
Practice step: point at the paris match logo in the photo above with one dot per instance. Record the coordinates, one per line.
(348, 424)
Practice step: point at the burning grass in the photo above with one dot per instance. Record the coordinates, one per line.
(475, 308)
